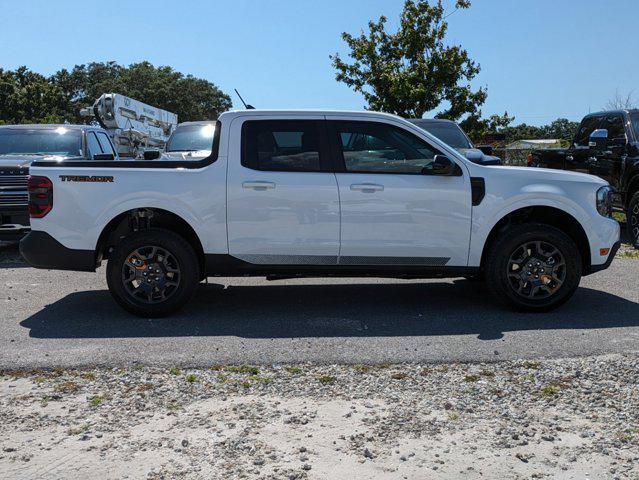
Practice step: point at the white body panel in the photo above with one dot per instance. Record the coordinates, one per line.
(307, 214)
(280, 217)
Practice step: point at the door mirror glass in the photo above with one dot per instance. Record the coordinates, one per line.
(485, 149)
(441, 165)
(598, 139)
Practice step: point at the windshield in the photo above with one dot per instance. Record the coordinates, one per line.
(448, 133)
(55, 141)
(191, 138)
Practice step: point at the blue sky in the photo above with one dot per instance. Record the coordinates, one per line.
(540, 59)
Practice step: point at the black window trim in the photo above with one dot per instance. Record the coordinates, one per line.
(106, 135)
(339, 163)
(166, 164)
(325, 157)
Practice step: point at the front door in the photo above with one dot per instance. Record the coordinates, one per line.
(283, 204)
(607, 163)
(393, 211)
(580, 155)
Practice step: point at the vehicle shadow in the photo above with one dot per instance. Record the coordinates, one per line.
(337, 310)
(10, 256)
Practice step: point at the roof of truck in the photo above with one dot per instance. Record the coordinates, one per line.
(257, 112)
(608, 112)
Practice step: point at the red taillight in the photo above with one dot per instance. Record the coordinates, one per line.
(40, 196)
(531, 159)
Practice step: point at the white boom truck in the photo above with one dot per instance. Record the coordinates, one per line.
(133, 126)
(301, 193)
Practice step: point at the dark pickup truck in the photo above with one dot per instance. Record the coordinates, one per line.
(607, 145)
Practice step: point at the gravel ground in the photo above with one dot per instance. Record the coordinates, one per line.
(568, 418)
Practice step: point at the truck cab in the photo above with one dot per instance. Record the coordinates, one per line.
(21, 145)
(606, 144)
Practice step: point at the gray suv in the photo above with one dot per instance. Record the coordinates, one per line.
(452, 134)
(20, 145)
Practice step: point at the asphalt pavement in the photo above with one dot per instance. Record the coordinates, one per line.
(67, 319)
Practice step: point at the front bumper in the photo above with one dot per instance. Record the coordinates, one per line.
(41, 250)
(611, 257)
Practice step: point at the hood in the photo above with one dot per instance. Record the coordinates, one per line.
(477, 156)
(547, 175)
(18, 161)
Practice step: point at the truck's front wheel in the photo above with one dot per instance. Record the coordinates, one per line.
(153, 273)
(533, 267)
(632, 219)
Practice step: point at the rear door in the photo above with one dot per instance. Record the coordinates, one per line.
(393, 212)
(283, 203)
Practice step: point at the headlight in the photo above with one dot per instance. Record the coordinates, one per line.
(604, 201)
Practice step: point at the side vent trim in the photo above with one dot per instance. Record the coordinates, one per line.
(478, 189)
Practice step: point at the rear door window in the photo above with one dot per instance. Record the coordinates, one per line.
(285, 146)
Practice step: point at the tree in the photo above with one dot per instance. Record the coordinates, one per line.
(411, 71)
(621, 102)
(191, 98)
(28, 97)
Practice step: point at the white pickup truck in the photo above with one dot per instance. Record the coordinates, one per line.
(310, 193)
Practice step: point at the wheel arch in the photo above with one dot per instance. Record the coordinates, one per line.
(138, 219)
(548, 215)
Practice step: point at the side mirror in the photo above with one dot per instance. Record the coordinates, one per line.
(103, 156)
(441, 165)
(151, 154)
(485, 149)
(598, 139)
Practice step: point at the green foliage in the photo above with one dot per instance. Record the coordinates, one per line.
(28, 97)
(411, 71)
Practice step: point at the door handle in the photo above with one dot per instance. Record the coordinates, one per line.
(367, 187)
(258, 185)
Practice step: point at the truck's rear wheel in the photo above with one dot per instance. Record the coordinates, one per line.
(533, 267)
(632, 219)
(153, 273)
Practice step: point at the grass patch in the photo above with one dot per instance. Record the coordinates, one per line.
(90, 376)
(453, 416)
(191, 377)
(399, 376)
(96, 401)
(471, 378)
(293, 370)
(245, 369)
(549, 390)
(217, 368)
(222, 378)
(628, 253)
(67, 387)
(257, 378)
(361, 368)
(175, 371)
(326, 379)
(39, 379)
(531, 365)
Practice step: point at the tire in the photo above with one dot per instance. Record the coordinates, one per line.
(550, 284)
(173, 262)
(632, 219)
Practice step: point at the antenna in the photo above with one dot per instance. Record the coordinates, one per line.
(248, 107)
